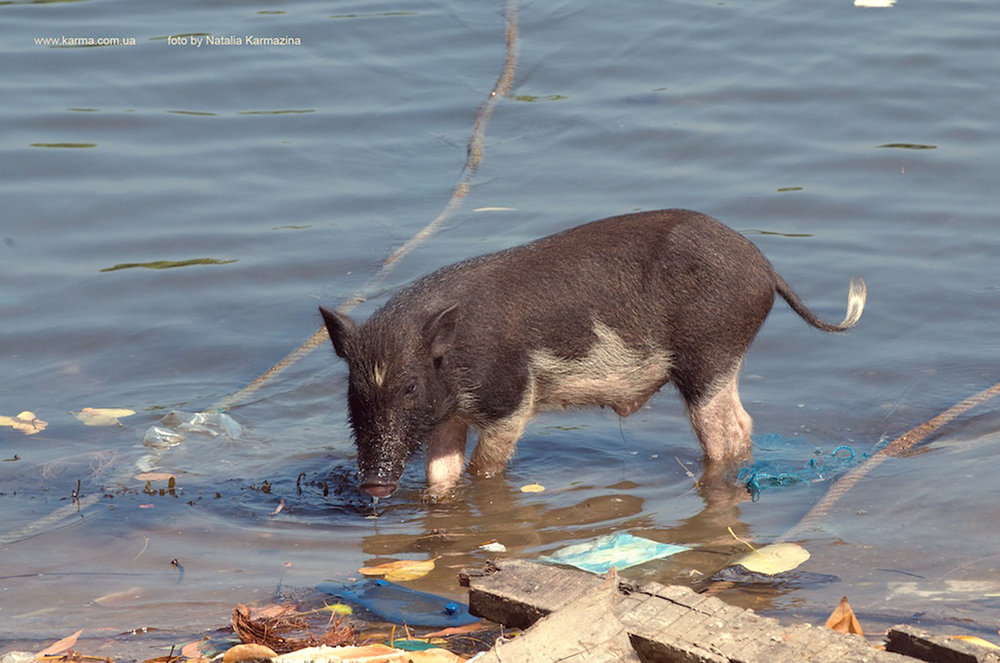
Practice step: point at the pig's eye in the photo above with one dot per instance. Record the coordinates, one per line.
(410, 389)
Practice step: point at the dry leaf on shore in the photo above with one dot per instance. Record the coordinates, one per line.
(843, 620)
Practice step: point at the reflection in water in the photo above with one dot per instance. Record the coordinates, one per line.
(494, 509)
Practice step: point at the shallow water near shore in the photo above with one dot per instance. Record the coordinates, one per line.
(174, 214)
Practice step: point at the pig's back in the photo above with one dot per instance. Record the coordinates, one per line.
(626, 271)
(634, 298)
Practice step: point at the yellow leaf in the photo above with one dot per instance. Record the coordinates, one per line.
(532, 488)
(400, 571)
(339, 609)
(154, 476)
(102, 416)
(26, 422)
(775, 558)
(842, 620)
(976, 641)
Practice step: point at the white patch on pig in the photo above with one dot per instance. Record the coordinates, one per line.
(611, 373)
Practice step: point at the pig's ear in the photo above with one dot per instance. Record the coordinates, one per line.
(439, 330)
(342, 329)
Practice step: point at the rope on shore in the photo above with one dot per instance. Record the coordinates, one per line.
(474, 157)
(894, 448)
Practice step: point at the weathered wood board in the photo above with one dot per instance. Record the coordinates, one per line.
(936, 649)
(665, 623)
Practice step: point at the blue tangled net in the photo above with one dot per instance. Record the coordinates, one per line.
(766, 473)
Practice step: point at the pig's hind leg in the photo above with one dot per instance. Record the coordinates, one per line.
(720, 422)
(444, 456)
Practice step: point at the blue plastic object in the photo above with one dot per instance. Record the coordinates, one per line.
(620, 550)
(776, 464)
(401, 605)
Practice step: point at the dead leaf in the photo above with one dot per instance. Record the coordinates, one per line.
(154, 476)
(192, 649)
(842, 620)
(532, 488)
(400, 571)
(773, 559)
(102, 416)
(239, 653)
(456, 630)
(975, 640)
(26, 422)
(60, 646)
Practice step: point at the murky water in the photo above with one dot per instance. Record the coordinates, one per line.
(173, 214)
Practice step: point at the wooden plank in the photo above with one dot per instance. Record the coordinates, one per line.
(523, 592)
(936, 649)
(585, 630)
(667, 624)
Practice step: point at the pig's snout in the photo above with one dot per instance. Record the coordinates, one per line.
(379, 479)
(378, 488)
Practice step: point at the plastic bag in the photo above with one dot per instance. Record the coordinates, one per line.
(177, 426)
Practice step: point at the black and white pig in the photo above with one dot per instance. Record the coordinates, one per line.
(602, 314)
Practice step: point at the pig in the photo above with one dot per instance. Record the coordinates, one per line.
(603, 314)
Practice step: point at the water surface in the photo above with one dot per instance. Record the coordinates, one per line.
(173, 215)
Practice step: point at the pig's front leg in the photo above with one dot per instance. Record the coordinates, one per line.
(496, 445)
(444, 456)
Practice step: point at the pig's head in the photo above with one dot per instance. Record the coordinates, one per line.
(398, 390)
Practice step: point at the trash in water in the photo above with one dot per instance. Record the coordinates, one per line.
(102, 416)
(400, 571)
(773, 559)
(781, 463)
(401, 605)
(620, 550)
(177, 426)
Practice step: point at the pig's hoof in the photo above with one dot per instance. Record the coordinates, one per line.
(441, 492)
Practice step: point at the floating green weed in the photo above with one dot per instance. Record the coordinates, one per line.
(168, 264)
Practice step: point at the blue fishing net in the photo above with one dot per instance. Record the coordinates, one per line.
(775, 465)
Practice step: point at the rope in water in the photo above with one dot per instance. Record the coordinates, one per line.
(473, 158)
(852, 477)
(894, 448)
